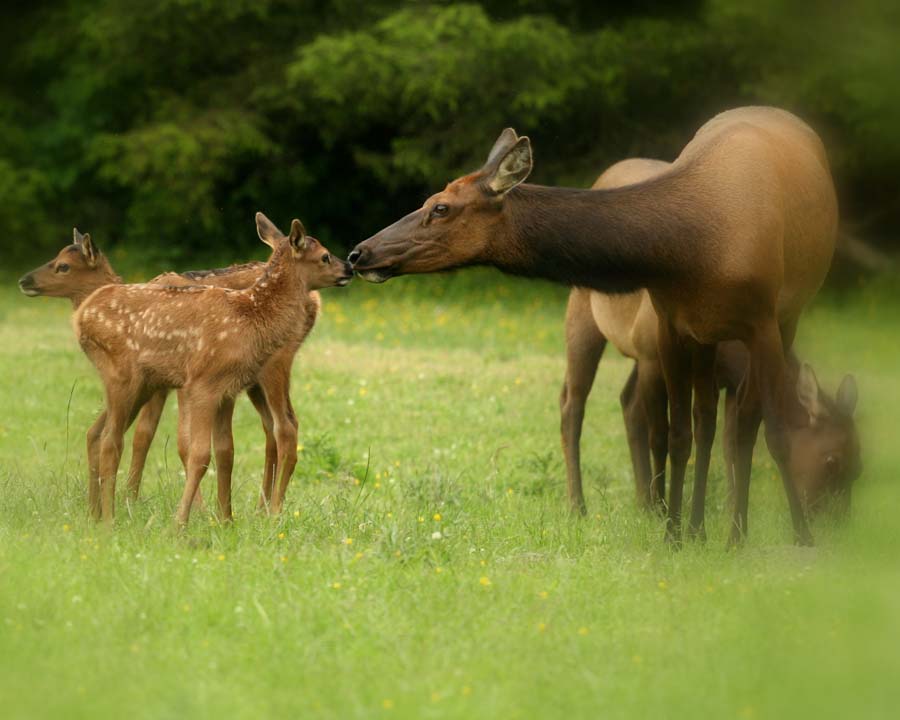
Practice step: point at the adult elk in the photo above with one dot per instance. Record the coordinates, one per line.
(824, 443)
(731, 242)
(81, 268)
(222, 340)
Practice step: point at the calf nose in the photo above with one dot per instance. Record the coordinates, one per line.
(26, 281)
(354, 256)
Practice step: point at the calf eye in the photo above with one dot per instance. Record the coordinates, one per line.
(440, 210)
(326, 258)
(62, 268)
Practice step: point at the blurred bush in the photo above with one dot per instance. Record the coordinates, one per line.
(163, 125)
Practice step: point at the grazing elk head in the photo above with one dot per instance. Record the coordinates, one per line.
(78, 270)
(455, 226)
(825, 453)
(318, 267)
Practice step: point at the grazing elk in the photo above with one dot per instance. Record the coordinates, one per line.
(210, 342)
(731, 242)
(824, 443)
(81, 268)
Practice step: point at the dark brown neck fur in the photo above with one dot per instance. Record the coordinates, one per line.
(615, 240)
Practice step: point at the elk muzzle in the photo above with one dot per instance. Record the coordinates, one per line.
(360, 260)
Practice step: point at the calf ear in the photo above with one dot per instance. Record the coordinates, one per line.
(88, 250)
(267, 231)
(808, 392)
(297, 238)
(847, 395)
(510, 166)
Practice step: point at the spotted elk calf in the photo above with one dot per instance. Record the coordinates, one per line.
(81, 268)
(209, 342)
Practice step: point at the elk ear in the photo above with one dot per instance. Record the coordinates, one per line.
(88, 250)
(297, 238)
(808, 392)
(267, 231)
(512, 167)
(847, 395)
(502, 146)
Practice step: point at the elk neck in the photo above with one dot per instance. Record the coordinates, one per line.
(615, 240)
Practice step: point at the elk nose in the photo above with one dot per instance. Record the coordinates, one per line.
(26, 282)
(355, 255)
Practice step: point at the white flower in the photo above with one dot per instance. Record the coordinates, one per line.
(436, 535)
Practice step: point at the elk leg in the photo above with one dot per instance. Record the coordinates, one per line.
(768, 353)
(729, 442)
(202, 414)
(652, 390)
(706, 401)
(93, 452)
(748, 416)
(223, 440)
(675, 359)
(258, 398)
(638, 436)
(144, 432)
(584, 348)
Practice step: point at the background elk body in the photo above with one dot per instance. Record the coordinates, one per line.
(80, 269)
(127, 332)
(824, 445)
(731, 242)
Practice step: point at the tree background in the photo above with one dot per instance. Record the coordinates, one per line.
(161, 126)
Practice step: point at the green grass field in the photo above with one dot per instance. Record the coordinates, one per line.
(447, 580)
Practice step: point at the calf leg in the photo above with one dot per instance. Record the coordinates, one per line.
(652, 389)
(223, 440)
(258, 398)
(675, 360)
(93, 452)
(184, 442)
(203, 409)
(144, 432)
(286, 442)
(122, 402)
(638, 436)
(706, 400)
(584, 348)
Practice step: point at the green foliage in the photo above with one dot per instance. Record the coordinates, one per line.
(165, 125)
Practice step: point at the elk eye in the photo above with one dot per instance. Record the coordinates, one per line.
(62, 268)
(326, 258)
(440, 210)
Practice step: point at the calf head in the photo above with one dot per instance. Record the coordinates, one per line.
(76, 271)
(318, 267)
(825, 452)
